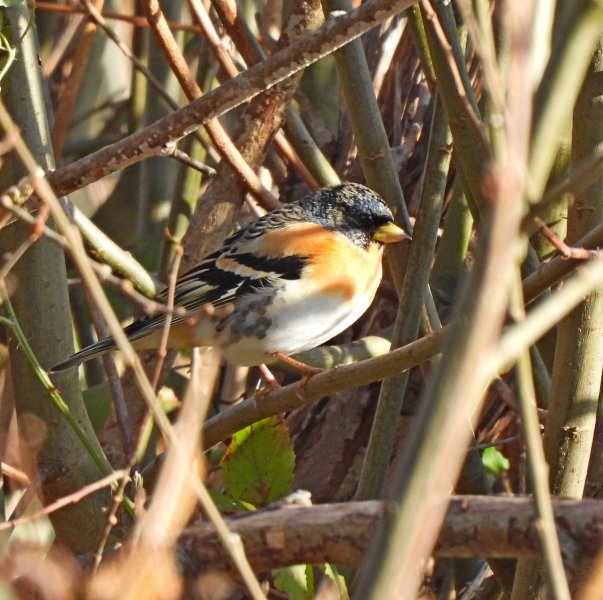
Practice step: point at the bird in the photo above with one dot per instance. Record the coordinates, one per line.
(284, 283)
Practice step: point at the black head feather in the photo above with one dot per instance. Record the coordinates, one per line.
(349, 208)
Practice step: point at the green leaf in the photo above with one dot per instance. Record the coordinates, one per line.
(9, 3)
(259, 462)
(297, 581)
(494, 462)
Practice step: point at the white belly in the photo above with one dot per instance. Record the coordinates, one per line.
(301, 323)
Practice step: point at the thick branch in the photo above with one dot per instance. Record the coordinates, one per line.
(502, 527)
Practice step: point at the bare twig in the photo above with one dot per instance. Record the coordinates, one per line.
(14, 473)
(210, 34)
(538, 467)
(111, 15)
(96, 16)
(185, 159)
(565, 250)
(117, 393)
(84, 38)
(163, 344)
(66, 500)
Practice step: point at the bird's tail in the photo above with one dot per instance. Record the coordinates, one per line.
(87, 353)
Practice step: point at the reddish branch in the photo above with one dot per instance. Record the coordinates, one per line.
(112, 15)
(565, 250)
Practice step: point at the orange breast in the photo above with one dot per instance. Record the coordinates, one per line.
(336, 265)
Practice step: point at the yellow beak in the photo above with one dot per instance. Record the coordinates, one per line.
(390, 233)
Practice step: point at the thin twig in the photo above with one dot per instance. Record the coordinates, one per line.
(217, 47)
(111, 15)
(494, 443)
(556, 269)
(96, 16)
(11, 259)
(565, 250)
(120, 405)
(538, 467)
(461, 92)
(163, 344)
(111, 519)
(185, 159)
(78, 56)
(12, 323)
(72, 498)
(14, 473)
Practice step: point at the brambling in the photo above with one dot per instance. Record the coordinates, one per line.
(285, 283)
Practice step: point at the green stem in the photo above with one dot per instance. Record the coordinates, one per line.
(97, 456)
(107, 251)
(538, 469)
(13, 324)
(416, 279)
(559, 89)
(308, 150)
(415, 22)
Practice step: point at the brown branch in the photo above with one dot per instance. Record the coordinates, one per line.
(556, 269)
(191, 88)
(493, 526)
(455, 76)
(137, 64)
(14, 473)
(237, 29)
(187, 160)
(163, 344)
(111, 15)
(77, 61)
(565, 250)
(335, 33)
(226, 62)
(228, 422)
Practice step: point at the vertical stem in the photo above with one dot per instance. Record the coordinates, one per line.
(411, 303)
(579, 349)
(538, 469)
(42, 306)
(430, 465)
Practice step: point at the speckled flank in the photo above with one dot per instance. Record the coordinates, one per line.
(249, 321)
